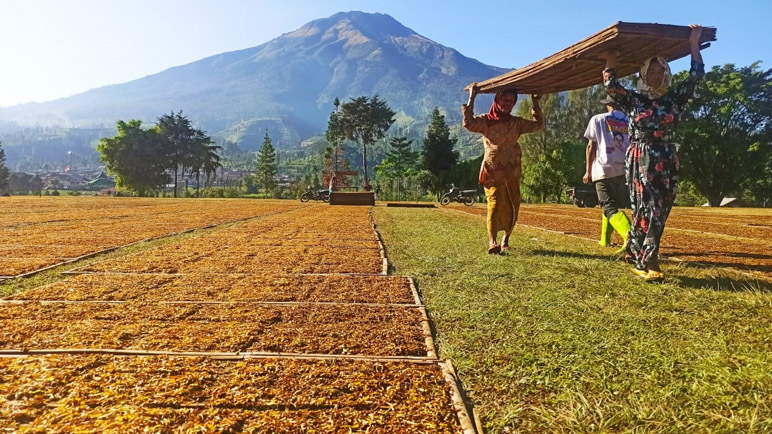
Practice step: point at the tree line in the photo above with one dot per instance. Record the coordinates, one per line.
(724, 139)
(364, 121)
(147, 159)
(724, 142)
(17, 182)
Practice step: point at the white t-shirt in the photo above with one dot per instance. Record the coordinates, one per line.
(610, 132)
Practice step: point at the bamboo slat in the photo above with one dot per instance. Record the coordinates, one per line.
(581, 64)
(457, 398)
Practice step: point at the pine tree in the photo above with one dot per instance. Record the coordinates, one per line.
(438, 154)
(266, 165)
(334, 153)
(3, 171)
(400, 162)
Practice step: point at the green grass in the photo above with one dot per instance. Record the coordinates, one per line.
(559, 337)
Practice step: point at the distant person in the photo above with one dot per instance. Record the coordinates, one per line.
(500, 172)
(332, 184)
(607, 135)
(652, 164)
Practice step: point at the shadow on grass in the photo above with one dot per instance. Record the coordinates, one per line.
(707, 260)
(574, 255)
(715, 283)
(723, 283)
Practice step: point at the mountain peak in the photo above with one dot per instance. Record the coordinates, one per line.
(287, 84)
(354, 27)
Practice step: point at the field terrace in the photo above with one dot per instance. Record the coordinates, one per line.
(40, 233)
(283, 323)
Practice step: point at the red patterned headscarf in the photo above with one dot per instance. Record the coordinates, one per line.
(496, 113)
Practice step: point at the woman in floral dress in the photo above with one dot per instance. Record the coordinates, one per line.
(500, 172)
(651, 162)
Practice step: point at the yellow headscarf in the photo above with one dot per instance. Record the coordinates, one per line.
(666, 77)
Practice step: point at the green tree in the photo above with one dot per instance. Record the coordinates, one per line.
(185, 147)
(400, 162)
(248, 183)
(546, 176)
(566, 116)
(760, 185)
(3, 171)
(135, 157)
(726, 130)
(365, 120)
(582, 104)
(36, 184)
(206, 159)
(553, 158)
(23, 183)
(438, 156)
(55, 183)
(466, 174)
(333, 155)
(266, 165)
(556, 117)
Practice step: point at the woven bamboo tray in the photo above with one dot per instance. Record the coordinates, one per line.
(581, 64)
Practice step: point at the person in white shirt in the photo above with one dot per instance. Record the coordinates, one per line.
(608, 140)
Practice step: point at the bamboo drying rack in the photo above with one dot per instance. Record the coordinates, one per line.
(581, 64)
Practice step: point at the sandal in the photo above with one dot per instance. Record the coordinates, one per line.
(643, 274)
(654, 277)
(494, 249)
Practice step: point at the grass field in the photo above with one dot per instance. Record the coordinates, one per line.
(737, 238)
(558, 337)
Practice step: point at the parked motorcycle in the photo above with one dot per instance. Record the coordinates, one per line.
(456, 195)
(583, 196)
(323, 195)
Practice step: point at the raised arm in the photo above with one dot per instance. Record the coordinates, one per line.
(475, 125)
(694, 43)
(537, 123)
(622, 96)
(686, 89)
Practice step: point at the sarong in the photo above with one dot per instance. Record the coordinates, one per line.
(503, 206)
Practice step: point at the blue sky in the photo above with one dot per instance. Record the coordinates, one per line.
(55, 48)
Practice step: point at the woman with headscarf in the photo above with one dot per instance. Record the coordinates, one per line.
(651, 163)
(500, 172)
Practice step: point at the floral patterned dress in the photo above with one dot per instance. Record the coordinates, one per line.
(651, 162)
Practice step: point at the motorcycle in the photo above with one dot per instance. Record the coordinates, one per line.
(323, 195)
(456, 195)
(583, 196)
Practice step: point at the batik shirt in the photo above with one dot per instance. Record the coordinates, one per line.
(502, 158)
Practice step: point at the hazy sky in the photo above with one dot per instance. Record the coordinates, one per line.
(55, 48)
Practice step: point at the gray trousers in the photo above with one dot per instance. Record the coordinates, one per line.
(612, 194)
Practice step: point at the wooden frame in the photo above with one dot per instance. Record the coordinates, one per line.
(581, 64)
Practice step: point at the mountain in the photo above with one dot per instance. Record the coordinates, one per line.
(286, 85)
